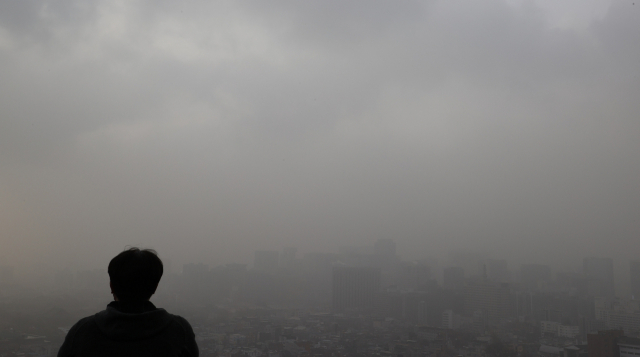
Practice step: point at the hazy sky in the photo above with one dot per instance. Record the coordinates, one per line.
(208, 130)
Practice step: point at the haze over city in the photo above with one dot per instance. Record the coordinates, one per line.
(210, 130)
(440, 178)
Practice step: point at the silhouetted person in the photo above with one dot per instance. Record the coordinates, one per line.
(131, 325)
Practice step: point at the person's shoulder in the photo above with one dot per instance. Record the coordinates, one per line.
(82, 324)
(180, 320)
(80, 328)
(183, 323)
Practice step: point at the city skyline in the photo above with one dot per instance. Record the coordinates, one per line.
(329, 178)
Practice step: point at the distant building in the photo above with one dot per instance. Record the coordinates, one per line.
(628, 346)
(316, 262)
(406, 306)
(576, 351)
(354, 288)
(493, 299)
(355, 249)
(548, 327)
(634, 269)
(629, 322)
(593, 326)
(195, 271)
(236, 267)
(450, 320)
(422, 312)
(534, 276)
(601, 307)
(453, 278)
(549, 351)
(558, 329)
(568, 331)
(573, 281)
(616, 313)
(604, 343)
(265, 260)
(480, 320)
(599, 274)
(495, 270)
(414, 275)
(550, 315)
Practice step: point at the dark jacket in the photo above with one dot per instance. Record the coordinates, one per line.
(126, 330)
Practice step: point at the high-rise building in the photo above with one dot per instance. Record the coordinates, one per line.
(450, 320)
(493, 299)
(629, 322)
(495, 270)
(402, 305)
(453, 278)
(422, 312)
(628, 346)
(533, 276)
(635, 279)
(575, 281)
(599, 274)
(604, 343)
(265, 260)
(354, 287)
(414, 276)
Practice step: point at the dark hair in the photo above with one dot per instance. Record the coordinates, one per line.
(135, 274)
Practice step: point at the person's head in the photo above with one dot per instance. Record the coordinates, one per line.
(135, 274)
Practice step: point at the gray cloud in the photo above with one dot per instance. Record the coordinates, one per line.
(209, 130)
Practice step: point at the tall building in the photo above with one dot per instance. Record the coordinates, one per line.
(635, 279)
(450, 320)
(576, 281)
(402, 305)
(534, 276)
(354, 288)
(599, 274)
(414, 276)
(628, 346)
(604, 343)
(494, 270)
(265, 260)
(629, 322)
(453, 278)
(492, 299)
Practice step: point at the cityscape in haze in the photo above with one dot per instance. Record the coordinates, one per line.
(397, 178)
(360, 300)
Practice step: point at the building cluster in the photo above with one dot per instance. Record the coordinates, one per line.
(366, 301)
(284, 333)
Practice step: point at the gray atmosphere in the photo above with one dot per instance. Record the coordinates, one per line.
(209, 130)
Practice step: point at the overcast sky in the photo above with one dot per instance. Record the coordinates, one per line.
(208, 130)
